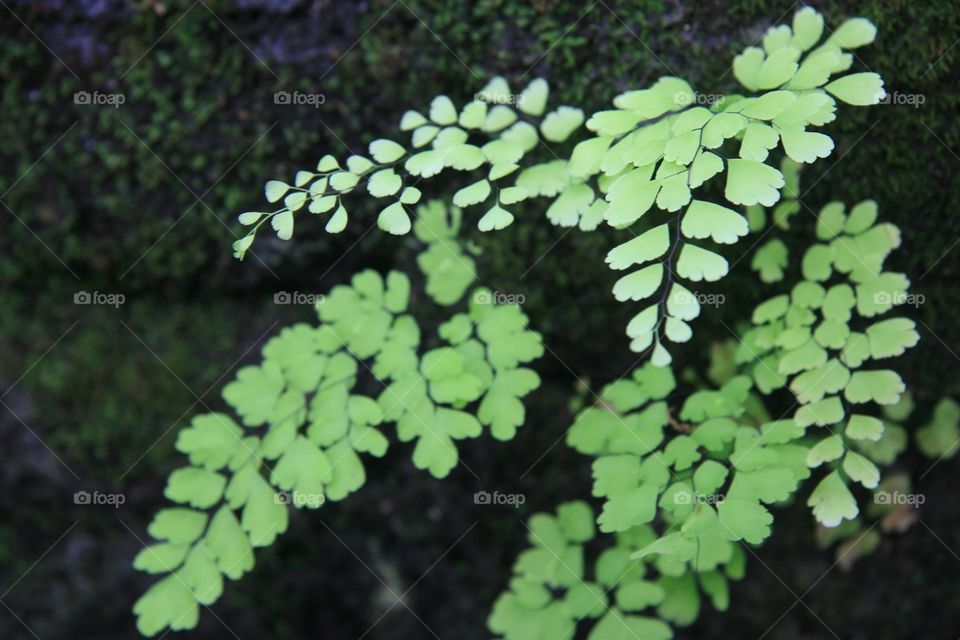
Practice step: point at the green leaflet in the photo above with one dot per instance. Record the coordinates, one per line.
(751, 182)
(832, 501)
(859, 89)
(770, 260)
(559, 124)
(709, 220)
(306, 426)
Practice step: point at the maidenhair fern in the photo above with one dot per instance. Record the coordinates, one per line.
(680, 491)
(303, 422)
(656, 148)
(682, 488)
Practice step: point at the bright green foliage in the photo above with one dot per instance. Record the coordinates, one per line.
(307, 424)
(553, 590)
(655, 149)
(704, 477)
(683, 484)
(682, 487)
(807, 341)
(485, 347)
(486, 141)
(449, 269)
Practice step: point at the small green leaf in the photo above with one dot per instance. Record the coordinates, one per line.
(827, 450)
(425, 164)
(648, 246)
(560, 123)
(853, 33)
(384, 183)
(442, 111)
(495, 219)
(275, 190)
(805, 146)
(394, 220)
(471, 194)
(708, 220)
(282, 223)
(410, 120)
(861, 470)
(210, 440)
(882, 387)
(168, 603)
(832, 501)
(697, 263)
(533, 99)
(200, 488)
(825, 412)
(410, 195)
(744, 520)
(860, 89)
(386, 151)
(337, 222)
(861, 427)
(178, 526)
(807, 28)
(892, 337)
(639, 284)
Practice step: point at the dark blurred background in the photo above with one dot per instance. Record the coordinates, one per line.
(140, 198)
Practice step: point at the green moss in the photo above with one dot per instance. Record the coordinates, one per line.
(111, 386)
